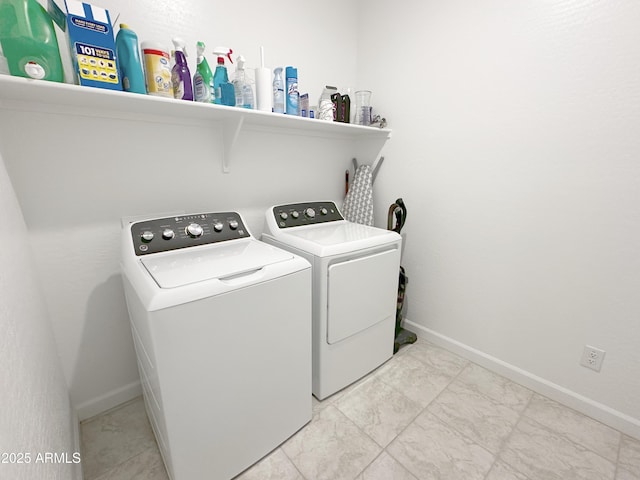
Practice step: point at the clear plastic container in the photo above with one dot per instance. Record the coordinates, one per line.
(363, 107)
(29, 40)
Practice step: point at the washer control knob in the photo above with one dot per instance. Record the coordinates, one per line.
(295, 214)
(194, 230)
(310, 212)
(146, 236)
(233, 224)
(218, 226)
(168, 234)
(284, 215)
(324, 211)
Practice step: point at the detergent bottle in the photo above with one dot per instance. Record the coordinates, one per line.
(180, 74)
(129, 61)
(29, 40)
(203, 78)
(243, 90)
(223, 91)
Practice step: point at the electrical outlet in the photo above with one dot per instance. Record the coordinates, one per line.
(592, 358)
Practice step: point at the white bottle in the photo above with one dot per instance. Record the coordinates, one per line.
(278, 91)
(325, 104)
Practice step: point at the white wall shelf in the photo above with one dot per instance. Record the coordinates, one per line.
(50, 97)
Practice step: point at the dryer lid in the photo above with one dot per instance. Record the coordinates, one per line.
(190, 265)
(335, 237)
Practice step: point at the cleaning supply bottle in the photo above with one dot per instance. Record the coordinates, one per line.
(325, 104)
(29, 40)
(4, 66)
(203, 78)
(278, 91)
(180, 74)
(223, 92)
(129, 61)
(243, 90)
(293, 96)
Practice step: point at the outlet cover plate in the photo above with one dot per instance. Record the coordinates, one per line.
(592, 358)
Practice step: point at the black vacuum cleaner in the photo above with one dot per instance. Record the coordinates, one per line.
(398, 211)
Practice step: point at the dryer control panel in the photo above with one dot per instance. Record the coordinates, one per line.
(172, 233)
(308, 213)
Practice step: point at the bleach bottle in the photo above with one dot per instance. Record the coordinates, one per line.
(180, 74)
(203, 78)
(223, 91)
(129, 61)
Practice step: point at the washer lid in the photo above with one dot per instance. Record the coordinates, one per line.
(335, 237)
(197, 264)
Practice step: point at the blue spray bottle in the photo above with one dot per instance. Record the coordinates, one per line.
(180, 74)
(293, 96)
(224, 93)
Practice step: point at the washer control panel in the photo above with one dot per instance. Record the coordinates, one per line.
(172, 233)
(310, 213)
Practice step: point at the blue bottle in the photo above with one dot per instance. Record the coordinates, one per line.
(224, 93)
(293, 96)
(129, 62)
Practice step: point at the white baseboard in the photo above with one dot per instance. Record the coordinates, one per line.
(77, 440)
(108, 401)
(602, 413)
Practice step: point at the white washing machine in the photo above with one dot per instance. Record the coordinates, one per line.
(224, 360)
(355, 288)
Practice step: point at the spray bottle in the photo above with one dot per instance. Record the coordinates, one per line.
(278, 91)
(203, 79)
(224, 94)
(180, 74)
(243, 90)
(293, 96)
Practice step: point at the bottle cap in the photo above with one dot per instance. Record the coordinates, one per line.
(292, 72)
(124, 26)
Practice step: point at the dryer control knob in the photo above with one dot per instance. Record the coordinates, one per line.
(295, 214)
(194, 230)
(324, 211)
(146, 236)
(310, 212)
(233, 224)
(168, 234)
(284, 215)
(218, 226)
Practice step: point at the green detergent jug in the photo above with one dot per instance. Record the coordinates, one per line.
(29, 40)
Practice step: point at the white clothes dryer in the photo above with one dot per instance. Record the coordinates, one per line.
(355, 288)
(224, 363)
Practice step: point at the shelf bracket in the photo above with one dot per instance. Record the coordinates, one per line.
(230, 131)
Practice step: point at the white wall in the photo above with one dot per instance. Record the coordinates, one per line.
(515, 147)
(73, 195)
(35, 414)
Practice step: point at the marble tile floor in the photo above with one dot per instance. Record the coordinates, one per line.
(426, 414)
